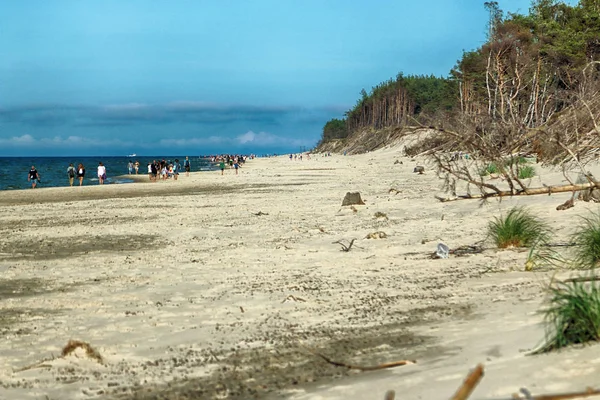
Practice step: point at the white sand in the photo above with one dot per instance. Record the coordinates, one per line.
(182, 282)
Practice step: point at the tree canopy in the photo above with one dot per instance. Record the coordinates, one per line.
(528, 70)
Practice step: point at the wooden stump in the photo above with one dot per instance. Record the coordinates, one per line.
(352, 198)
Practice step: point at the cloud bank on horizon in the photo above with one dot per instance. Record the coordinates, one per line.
(114, 77)
(159, 128)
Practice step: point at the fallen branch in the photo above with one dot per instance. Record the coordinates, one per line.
(564, 396)
(359, 367)
(344, 247)
(39, 364)
(291, 297)
(526, 192)
(465, 390)
(583, 279)
(468, 249)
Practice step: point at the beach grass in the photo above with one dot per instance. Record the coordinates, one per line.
(587, 238)
(542, 257)
(518, 228)
(526, 172)
(489, 169)
(572, 315)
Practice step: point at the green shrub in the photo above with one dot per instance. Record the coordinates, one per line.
(526, 172)
(572, 315)
(587, 239)
(518, 228)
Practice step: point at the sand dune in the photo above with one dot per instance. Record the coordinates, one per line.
(213, 286)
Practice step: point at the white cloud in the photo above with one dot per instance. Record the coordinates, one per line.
(58, 142)
(18, 140)
(126, 106)
(191, 142)
(265, 139)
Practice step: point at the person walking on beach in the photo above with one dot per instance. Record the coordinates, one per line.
(101, 173)
(222, 165)
(176, 168)
(130, 167)
(186, 165)
(71, 174)
(236, 165)
(153, 171)
(33, 177)
(136, 166)
(80, 173)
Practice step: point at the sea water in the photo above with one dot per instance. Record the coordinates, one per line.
(53, 170)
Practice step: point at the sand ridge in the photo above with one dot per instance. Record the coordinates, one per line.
(209, 286)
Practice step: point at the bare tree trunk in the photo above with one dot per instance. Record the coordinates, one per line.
(526, 192)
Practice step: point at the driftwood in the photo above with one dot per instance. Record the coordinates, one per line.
(589, 392)
(583, 279)
(291, 297)
(525, 192)
(469, 384)
(360, 367)
(475, 376)
(566, 205)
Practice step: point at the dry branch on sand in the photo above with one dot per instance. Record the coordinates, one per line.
(465, 390)
(474, 377)
(359, 367)
(345, 247)
(523, 192)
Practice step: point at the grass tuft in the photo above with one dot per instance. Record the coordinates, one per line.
(543, 258)
(519, 228)
(489, 169)
(572, 315)
(587, 238)
(526, 172)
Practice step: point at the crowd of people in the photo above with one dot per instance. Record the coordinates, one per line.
(157, 169)
(165, 169)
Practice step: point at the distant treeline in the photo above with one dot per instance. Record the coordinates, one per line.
(527, 71)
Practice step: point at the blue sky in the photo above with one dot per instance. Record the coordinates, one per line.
(112, 77)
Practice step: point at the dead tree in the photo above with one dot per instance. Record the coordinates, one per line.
(490, 149)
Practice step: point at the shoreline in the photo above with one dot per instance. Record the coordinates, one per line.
(213, 286)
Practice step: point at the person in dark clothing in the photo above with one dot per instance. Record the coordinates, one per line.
(33, 177)
(80, 173)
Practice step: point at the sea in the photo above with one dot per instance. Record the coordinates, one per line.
(53, 170)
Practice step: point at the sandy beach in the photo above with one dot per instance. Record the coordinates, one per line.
(219, 287)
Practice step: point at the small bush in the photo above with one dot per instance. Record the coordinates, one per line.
(587, 238)
(518, 228)
(526, 172)
(572, 316)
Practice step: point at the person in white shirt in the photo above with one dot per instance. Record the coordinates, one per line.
(101, 173)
